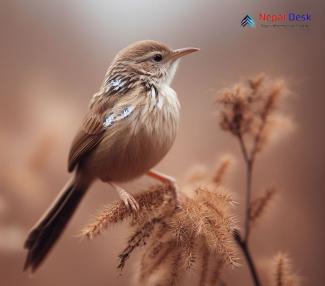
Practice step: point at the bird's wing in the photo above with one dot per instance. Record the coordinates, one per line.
(92, 129)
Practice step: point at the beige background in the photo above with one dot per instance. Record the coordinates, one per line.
(53, 57)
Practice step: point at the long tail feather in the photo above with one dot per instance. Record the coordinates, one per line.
(47, 231)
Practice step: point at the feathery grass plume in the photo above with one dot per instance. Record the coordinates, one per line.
(247, 108)
(149, 202)
(154, 257)
(206, 216)
(171, 238)
(259, 205)
(192, 223)
(282, 274)
(199, 174)
(205, 255)
(222, 169)
(200, 177)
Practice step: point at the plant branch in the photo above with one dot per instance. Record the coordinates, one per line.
(243, 243)
(243, 147)
(249, 172)
(249, 160)
(251, 265)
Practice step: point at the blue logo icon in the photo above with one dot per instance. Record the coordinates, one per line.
(248, 21)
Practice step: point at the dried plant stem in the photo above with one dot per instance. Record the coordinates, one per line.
(249, 162)
(249, 171)
(243, 147)
(246, 251)
(243, 243)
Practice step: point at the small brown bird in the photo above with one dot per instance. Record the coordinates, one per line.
(130, 126)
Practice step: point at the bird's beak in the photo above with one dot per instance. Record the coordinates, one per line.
(176, 54)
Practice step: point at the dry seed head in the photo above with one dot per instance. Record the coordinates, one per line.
(282, 274)
(247, 107)
(222, 169)
(170, 240)
(259, 205)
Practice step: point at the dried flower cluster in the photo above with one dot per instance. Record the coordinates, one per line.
(174, 238)
(282, 272)
(247, 110)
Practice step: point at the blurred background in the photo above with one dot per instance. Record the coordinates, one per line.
(53, 58)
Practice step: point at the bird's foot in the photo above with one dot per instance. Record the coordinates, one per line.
(166, 180)
(129, 201)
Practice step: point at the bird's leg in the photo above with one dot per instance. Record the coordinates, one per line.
(166, 180)
(161, 177)
(127, 198)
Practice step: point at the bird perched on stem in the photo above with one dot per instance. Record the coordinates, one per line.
(130, 126)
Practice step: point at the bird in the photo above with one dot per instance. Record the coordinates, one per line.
(130, 125)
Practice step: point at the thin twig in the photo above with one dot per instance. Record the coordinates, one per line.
(243, 147)
(249, 159)
(251, 265)
(249, 172)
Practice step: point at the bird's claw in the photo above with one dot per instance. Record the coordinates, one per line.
(129, 201)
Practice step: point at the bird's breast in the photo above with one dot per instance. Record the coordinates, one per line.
(161, 115)
(159, 122)
(141, 140)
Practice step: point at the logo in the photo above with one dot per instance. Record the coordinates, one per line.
(248, 21)
(284, 20)
(278, 20)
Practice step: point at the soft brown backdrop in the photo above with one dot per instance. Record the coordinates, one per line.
(53, 57)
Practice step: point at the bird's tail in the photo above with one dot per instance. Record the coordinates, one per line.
(49, 228)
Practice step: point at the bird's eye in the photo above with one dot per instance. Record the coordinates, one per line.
(157, 57)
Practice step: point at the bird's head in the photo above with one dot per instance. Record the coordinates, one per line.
(150, 59)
